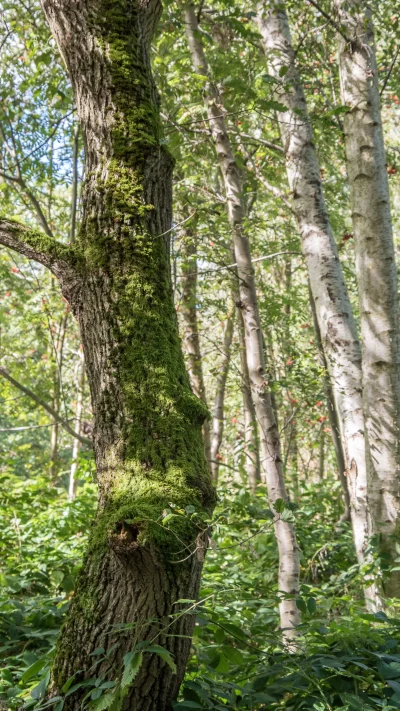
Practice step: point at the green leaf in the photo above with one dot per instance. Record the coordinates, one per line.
(301, 605)
(232, 654)
(164, 654)
(279, 505)
(39, 691)
(311, 605)
(104, 702)
(33, 670)
(132, 663)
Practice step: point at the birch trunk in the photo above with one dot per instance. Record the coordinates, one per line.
(376, 273)
(147, 422)
(289, 565)
(332, 304)
(190, 327)
(251, 446)
(219, 402)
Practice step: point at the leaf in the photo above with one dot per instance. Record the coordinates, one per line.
(279, 505)
(301, 605)
(311, 605)
(232, 654)
(33, 670)
(104, 702)
(164, 654)
(235, 631)
(39, 691)
(132, 663)
(394, 685)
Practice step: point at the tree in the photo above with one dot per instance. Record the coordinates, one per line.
(154, 485)
(376, 273)
(289, 565)
(331, 302)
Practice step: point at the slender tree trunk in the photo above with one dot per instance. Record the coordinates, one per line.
(251, 445)
(76, 447)
(376, 272)
(219, 402)
(289, 565)
(58, 357)
(332, 304)
(190, 327)
(147, 422)
(333, 416)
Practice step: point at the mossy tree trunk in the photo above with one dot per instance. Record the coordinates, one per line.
(147, 422)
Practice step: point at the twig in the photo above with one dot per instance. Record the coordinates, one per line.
(330, 19)
(389, 72)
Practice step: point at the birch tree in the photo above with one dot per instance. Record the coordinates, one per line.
(376, 271)
(147, 422)
(289, 566)
(332, 304)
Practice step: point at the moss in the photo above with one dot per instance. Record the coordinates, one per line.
(160, 457)
(44, 244)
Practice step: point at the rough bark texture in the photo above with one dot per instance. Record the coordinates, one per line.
(376, 272)
(289, 566)
(147, 421)
(333, 309)
(190, 327)
(219, 402)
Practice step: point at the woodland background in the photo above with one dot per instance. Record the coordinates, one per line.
(347, 658)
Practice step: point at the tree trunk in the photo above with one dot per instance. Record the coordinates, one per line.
(289, 565)
(333, 416)
(76, 447)
(57, 358)
(191, 336)
(332, 303)
(251, 446)
(376, 272)
(147, 422)
(219, 402)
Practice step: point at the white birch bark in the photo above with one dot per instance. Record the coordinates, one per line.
(332, 304)
(376, 271)
(251, 447)
(219, 402)
(289, 565)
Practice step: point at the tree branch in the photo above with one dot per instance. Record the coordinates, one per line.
(48, 408)
(36, 245)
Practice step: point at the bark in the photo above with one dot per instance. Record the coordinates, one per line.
(76, 447)
(190, 327)
(289, 566)
(252, 452)
(332, 304)
(376, 272)
(219, 402)
(147, 422)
